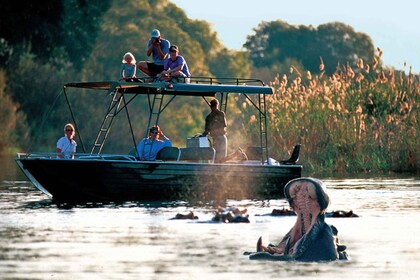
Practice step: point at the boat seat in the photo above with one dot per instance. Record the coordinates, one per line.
(198, 153)
(168, 154)
(254, 153)
(294, 158)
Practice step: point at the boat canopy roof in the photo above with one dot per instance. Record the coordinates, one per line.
(196, 87)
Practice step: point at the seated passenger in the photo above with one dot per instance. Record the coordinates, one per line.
(128, 68)
(66, 146)
(174, 66)
(149, 147)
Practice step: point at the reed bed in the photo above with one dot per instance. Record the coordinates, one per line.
(363, 118)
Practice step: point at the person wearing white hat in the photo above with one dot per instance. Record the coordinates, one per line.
(158, 48)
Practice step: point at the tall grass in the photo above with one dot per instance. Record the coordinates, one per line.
(363, 118)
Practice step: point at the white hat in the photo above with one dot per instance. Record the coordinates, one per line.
(155, 33)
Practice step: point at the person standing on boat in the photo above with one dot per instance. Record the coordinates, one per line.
(158, 48)
(128, 67)
(215, 127)
(66, 146)
(175, 66)
(150, 146)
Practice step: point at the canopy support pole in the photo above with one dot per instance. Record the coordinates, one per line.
(74, 119)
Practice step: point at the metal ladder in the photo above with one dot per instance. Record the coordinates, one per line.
(113, 107)
(155, 108)
(263, 127)
(223, 102)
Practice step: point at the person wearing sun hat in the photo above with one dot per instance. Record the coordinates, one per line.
(175, 66)
(158, 48)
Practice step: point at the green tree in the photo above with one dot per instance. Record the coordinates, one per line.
(13, 128)
(32, 22)
(336, 43)
(72, 24)
(36, 91)
(228, 63)
(80, 27)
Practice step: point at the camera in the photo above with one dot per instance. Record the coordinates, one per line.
(157, 40)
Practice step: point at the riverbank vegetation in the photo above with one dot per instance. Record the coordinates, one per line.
(360, 119)
(350, 113)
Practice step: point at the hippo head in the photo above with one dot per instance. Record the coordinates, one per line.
(310, 239)
(310, 188)
(308, 199)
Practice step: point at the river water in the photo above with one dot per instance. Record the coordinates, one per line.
(138, 240)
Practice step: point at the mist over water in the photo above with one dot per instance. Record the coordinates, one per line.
(40, 239)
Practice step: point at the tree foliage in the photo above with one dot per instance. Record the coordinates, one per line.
(32, 23)
(70, 25)
(336, 43)
(80, 27)
(12, 121)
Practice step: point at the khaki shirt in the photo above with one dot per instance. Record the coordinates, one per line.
(215, 123)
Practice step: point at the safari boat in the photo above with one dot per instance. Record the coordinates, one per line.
(178, 172)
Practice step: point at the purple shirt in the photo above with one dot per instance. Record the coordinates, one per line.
(169, 64)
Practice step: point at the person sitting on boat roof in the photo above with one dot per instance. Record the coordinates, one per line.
(215, 126)
(66, 146)
(158, 48)
(175, 66)
(128, 67)
(149, 147)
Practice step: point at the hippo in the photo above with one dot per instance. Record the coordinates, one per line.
(310, 239)
(231, 215)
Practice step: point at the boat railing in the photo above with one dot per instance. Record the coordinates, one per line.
(46, 155)
(190, 154)
(206, 80)
(166, 154)
(225, 81)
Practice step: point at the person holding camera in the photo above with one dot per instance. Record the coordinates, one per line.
(158, 48)
(149, 147)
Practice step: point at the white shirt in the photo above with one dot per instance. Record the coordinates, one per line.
(67, 148)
